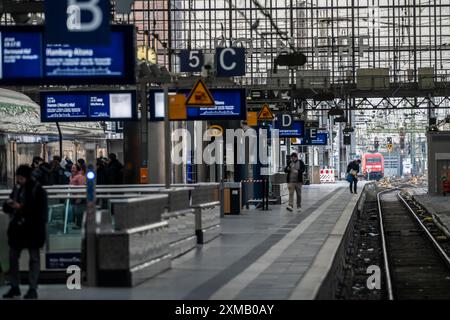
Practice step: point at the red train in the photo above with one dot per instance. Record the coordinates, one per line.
(373, 165)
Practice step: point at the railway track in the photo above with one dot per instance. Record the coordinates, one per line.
(416, 267)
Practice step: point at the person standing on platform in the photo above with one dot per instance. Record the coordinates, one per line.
(101, 171)
(77, 178)
(28, 208)
(114, 170)
(82, 163)
(41, 171)
(352, 175)
(68, 165)
(295, 170)
(57, 172)
(78, 206)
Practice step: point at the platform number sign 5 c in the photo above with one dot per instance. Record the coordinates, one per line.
(191, 60)
(230, 62)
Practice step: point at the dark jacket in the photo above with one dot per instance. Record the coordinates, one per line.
(101, 175)
(57, 176)
(42, 174)
(27, 227)
(114, 173)
(353, 166)
(300, 172)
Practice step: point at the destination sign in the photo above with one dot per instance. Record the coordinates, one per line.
(27, 59)
(87, 106)
(230, 104)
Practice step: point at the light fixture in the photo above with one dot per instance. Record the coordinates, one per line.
(147, 54)
(90, 175)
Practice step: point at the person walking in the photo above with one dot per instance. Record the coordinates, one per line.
(352, 175)
(295, 170)
(28, 208)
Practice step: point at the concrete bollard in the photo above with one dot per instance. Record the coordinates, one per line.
(136, 246)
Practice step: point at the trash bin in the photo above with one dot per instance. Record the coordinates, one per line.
(232, 201)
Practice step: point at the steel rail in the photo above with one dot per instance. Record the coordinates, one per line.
(436, 245)
(384, 246)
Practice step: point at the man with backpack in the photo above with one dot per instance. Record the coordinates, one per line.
(352, 175)
(295, 170)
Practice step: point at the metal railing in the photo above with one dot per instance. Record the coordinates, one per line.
(64, 200)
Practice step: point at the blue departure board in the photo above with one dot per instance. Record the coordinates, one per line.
(230, 104)
(320, 140)
(21, 55)
(27, 59)
(296, 130)
(88, 106)
(85, 61)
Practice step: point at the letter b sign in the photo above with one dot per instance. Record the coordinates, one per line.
(77, 22)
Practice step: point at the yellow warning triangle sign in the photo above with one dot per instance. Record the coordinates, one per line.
(265, 113)
(200, 96)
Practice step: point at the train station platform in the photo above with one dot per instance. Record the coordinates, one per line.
(439, 207)
(273, 254)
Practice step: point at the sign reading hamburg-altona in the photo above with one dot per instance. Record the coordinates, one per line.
(27, 58)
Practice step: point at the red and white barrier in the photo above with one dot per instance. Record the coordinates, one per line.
(327, 175)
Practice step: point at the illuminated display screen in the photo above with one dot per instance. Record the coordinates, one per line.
(320, 140)
(230, 104)
(295, 130)
(88, 106)
(27, 59)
